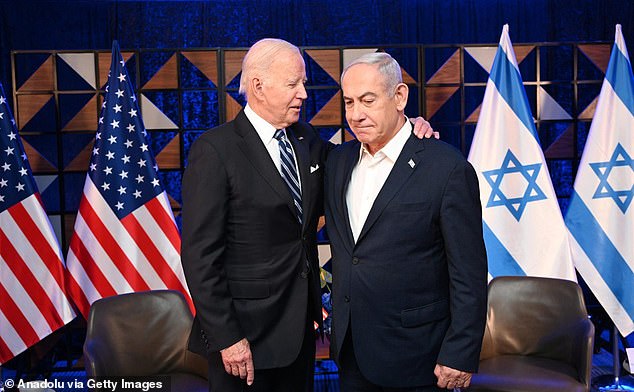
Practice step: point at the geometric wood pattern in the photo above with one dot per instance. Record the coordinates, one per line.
(521, 51)
(330, 113)
(563, 146)
(29, 106)
(182, 97)
(165, 77)
(599, 54)
(84, 120)
(37, 161)
(104, 59)
(474, 116)
(233, 63)
(449, 72)
(436, 97)
(233, 107)
(169, 156)
(328, 60)
(42, 79)
(206, 62)
(407, 78)
(81, 160)
(588, 112)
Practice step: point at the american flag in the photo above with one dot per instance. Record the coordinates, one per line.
(33, 300)
(125, 236)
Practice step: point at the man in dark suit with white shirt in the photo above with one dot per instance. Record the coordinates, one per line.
(409, 263)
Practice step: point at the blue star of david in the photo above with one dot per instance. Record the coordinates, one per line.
(515, 205)
(623, 197)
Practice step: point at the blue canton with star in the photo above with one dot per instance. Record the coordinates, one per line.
(122, 166)
(622, 197)
(515, 205)
(16, 181)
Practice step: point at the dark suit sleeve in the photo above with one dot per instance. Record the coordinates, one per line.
(461, 225)
(205, 208)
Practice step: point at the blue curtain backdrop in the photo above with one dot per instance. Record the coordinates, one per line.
(93, 24)
(90, 24)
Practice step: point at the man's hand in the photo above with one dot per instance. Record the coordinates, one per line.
(451, 378)
(238, 360)
(422, 129)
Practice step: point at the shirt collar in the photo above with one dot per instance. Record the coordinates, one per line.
(394, 147)
(262, 127)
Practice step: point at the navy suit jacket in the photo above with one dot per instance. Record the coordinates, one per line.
(243, 250)
(412, 289)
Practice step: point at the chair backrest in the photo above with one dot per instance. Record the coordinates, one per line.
(137, 334)
(534, 316)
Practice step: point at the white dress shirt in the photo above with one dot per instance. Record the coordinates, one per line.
(266, 131)
(369, 175)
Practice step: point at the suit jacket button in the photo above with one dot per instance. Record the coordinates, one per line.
(304, 275)
(346, 298)
(355, 261)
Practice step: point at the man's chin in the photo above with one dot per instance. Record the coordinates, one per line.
(292, 119)
(361, 136)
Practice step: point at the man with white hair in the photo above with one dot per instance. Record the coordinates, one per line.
(252, 197)
(405, 227)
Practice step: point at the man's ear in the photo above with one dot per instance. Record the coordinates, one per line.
(256, 85)
(401, 94)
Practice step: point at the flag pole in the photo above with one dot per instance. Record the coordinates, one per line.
(613, 382)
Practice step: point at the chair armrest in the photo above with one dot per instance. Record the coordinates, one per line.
(488, 349)
(195, 364)
(584, 334)
(94, 360)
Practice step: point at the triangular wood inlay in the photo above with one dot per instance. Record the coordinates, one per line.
(38, 163)
(166, 77)
(169, 157)
(233, 64)
(449, 72)
(328, 60)
(330, 113)
(42, 79)
(206, 62)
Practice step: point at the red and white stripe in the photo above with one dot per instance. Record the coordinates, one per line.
(108, 256)
(33, 302)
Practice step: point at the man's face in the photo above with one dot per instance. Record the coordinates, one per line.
(283, 89)
(374, 116)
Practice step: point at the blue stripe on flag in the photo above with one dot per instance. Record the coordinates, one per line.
(601, 251)
(501, 263)
(619, 75)
(508, 81)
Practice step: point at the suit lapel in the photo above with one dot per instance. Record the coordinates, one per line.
(404, 167)
(259, 158)
(351, 159)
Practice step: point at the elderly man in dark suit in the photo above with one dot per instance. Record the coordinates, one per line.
(409, 263)
(252, 196)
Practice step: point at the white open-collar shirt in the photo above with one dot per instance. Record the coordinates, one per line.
(369, 175)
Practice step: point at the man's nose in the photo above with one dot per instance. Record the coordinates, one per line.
(301, 93)
(356, 113)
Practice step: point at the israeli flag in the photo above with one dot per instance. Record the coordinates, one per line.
(524, 230)
(600, 216)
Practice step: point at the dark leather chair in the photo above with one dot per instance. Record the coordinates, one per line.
(538, 337)
(144, 334)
